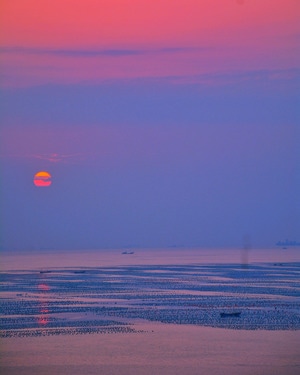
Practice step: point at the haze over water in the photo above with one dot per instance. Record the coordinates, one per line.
(38, 259)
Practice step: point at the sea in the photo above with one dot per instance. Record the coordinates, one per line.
(150, 311)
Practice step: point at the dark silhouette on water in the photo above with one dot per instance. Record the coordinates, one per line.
(287, 243)
(232, 314)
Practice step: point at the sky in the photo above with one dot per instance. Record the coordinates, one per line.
(162, 123)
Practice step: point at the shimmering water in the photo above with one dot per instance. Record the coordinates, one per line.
(107, 312)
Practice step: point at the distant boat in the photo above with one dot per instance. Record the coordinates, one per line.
(128, 252)
(286, 243)
(232, 314)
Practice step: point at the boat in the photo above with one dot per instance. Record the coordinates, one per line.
(286, 243)
(230, 314)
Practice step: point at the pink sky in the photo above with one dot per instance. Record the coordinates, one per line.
(161, 122)
(74, 41)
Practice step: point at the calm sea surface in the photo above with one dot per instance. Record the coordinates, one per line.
(114, 257)
(153, 311)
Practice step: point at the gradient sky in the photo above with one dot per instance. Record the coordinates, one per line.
(170, 122)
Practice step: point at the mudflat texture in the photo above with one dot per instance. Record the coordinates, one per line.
(161, 349)
(107, 300)
(175, 317)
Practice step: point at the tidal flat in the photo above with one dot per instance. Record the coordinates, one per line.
(136, 302)
(102, 300)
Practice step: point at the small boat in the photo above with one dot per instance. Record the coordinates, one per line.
(228, 315)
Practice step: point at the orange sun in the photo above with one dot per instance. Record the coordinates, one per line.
(42, 179)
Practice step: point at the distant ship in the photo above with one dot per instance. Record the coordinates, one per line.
(287, 243)
(230, 314)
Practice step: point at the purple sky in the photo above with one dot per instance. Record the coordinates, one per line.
(201, 155)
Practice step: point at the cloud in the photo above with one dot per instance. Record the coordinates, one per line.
(58, 158)
(252, 77)
(95, 52)
(70, 52)
(52, 158)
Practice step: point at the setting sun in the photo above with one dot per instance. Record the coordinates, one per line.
(42, 179)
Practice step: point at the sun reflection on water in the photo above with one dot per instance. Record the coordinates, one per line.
(43, 318)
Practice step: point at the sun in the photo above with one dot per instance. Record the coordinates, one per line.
(42, 178)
